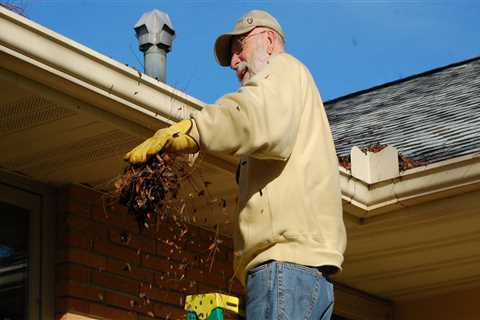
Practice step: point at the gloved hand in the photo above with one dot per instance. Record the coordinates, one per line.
(174, 139)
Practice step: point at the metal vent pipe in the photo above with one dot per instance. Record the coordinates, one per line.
(155, 35)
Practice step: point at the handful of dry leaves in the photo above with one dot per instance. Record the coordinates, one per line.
(151, 187)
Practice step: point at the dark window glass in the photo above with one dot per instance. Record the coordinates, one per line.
(14, 231)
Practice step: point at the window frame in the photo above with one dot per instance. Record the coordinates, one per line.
(38, 199)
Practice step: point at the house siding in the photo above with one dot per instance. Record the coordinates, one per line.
(107, 268)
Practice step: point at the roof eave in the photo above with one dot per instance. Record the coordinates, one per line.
(43, 56)
(59, 58)
(121, 94)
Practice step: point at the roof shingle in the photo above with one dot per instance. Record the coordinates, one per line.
(428, 117)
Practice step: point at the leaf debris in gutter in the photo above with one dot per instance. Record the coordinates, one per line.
(404, 162)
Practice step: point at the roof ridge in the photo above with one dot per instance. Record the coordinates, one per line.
(387, 84)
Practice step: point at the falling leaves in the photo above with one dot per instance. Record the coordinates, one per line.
(152, 194)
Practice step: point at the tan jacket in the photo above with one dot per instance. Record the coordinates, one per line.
(289, 204)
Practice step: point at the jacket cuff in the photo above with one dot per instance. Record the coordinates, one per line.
(193, 133)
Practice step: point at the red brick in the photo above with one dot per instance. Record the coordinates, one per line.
(220, 266)
(87, 227)
(121, 300)
(129, 270)
(82, 193)
(75, 290)
(166, 231)
(185, 285)
(76, 239)
(160, 295)
(132, 303)
(206, 277)
(68, 237)
(180, 254)
(165, 311)
(101, 214)
(75, 222)
(175, 282)
(82, 257)
(72, 272)
(204, 237)
(103, 311)
(199, 242)
(116, 216)
(211, 287)
(71, 305)
(114, 282)
(116, 251)
(72, 207)
(157, 263)
(225, 253)
(133, 241)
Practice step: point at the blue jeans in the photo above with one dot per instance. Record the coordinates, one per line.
(282, 290)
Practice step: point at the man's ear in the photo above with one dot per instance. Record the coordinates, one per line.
(270, 42)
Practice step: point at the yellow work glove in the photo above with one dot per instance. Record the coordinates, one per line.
(174, 139)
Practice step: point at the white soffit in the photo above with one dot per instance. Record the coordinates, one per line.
(68, 113)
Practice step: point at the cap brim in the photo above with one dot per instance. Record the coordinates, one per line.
(222, 49)
(223, 43)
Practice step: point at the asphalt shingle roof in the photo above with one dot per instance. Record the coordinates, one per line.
(428, 117)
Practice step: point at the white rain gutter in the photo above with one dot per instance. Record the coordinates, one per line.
(375, 186)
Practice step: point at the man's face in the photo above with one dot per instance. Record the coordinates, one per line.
(249, 54)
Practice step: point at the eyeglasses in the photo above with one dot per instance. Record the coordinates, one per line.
(239, 43)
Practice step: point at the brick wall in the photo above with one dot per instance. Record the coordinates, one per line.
(107, 268)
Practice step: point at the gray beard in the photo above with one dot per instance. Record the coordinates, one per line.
(249, 68)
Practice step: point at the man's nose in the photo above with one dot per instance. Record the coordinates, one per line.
(235, 61)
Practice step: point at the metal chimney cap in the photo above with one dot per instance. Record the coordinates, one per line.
(154, 28)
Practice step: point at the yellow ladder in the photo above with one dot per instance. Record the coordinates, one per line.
(210, 306)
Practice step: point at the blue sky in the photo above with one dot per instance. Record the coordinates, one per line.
(347, 45)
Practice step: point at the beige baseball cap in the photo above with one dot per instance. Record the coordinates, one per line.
(251, 20)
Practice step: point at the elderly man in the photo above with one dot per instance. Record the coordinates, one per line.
(289, 233)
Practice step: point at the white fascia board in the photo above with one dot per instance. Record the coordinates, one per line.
(33, 44)
(426, 183)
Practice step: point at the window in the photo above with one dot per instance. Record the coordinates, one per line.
(14, 262)
(26, 272)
